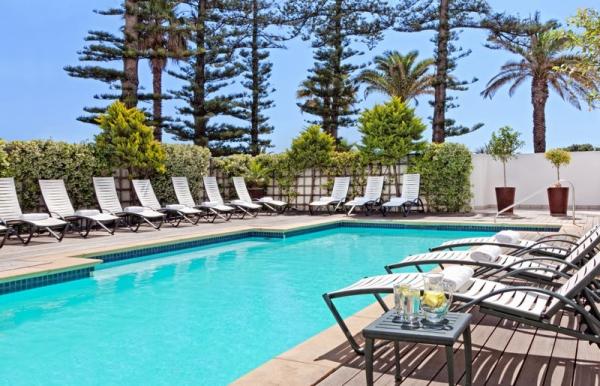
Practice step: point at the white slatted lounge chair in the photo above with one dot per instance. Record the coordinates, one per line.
(337, 198)
(556, 244)
(525, 304)
(215, 202)
(15, 220)
(411, 185)
(244, 201)
(106, 194)
(275, 206)
(508, 262)
(184, 197)
(371, 198)
(175, 212)
(59, 205)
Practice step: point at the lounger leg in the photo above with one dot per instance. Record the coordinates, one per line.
(340, 321)
(4, 238)
(101, 225)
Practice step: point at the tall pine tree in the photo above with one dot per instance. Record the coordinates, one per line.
(104, 49)
(258, 22)
(330, 90)
(444, 17)
(209, 69)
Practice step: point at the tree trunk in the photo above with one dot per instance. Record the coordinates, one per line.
(338, 79)
(539, 97)
(157, 69)
(441, 76)
(200, 136)
(130, 82)
(254, 123)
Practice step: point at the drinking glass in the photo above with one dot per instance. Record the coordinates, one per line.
(412, 308)
(400, 291)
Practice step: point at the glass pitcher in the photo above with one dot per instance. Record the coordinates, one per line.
(437, 297)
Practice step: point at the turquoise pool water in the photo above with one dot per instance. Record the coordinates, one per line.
(201, 316)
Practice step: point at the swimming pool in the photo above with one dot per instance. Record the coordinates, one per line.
(204, 315)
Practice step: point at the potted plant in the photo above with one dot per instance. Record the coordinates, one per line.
(558, 196)
(257, 179)
(503, 147)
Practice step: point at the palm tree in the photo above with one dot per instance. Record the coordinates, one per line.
(399, 75)
(544, 51)
(162, 36)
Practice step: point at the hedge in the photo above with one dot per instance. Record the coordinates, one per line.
(181, 160)
(30, 161)
(445, 176)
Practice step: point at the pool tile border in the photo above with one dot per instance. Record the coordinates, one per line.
(108, 257)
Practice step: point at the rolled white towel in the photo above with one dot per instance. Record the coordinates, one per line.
(486, 253)
(508, 237)
(134, 209)
(458, 276)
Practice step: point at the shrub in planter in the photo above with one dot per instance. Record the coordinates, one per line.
(445, 176)
(3, 159)
(503, 147)
(558, 196)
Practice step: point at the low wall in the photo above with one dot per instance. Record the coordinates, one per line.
(531, 172)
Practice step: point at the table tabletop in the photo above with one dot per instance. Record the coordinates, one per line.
(446, 332)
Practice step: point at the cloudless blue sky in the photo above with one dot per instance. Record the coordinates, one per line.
(38, 99)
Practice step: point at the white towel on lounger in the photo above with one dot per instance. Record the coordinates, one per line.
(486, 253)
(457, 276)
(508, 237)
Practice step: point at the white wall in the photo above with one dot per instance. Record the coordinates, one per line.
(531, 172)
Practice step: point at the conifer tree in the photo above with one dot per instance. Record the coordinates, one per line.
(330, 90)
(209, 68)
(258, 19)
(104, 49)
(444, 17)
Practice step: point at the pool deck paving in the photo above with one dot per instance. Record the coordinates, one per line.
(505, 353)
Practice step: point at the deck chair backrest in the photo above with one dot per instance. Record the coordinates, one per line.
(340, 188)
(586, 245)
(212, 189)
(374, 188)
(411, 184)
(56, 197)
(241, 189)
(9, 202)
(183, 192)
(576, 283)
(145, 194)
(106, 194)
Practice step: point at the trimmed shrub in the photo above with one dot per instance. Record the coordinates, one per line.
(445, 176)
(181, 161)
(76, 164)
(3, 159)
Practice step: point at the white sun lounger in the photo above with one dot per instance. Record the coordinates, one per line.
(215, 203)
(14, 219)
(244, 201)
(556, 244)
(411, 185)
(59, 205)
(371, 198)
(540, 268)
(526, 304)
(106, 194)
(175, 212)
(337, 198)
(275, 206)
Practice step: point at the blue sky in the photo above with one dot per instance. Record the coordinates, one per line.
(39, 100)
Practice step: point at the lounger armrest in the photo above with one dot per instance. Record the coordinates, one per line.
(533, 269)
(557, 235)
(108, 211)
(586, 315)
(57, 215)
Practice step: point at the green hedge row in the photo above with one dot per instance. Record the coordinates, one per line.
(76, 164)
(445, 171)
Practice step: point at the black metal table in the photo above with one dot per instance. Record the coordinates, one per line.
(445, 333)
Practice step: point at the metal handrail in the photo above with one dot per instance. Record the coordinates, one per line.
(498, 213)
